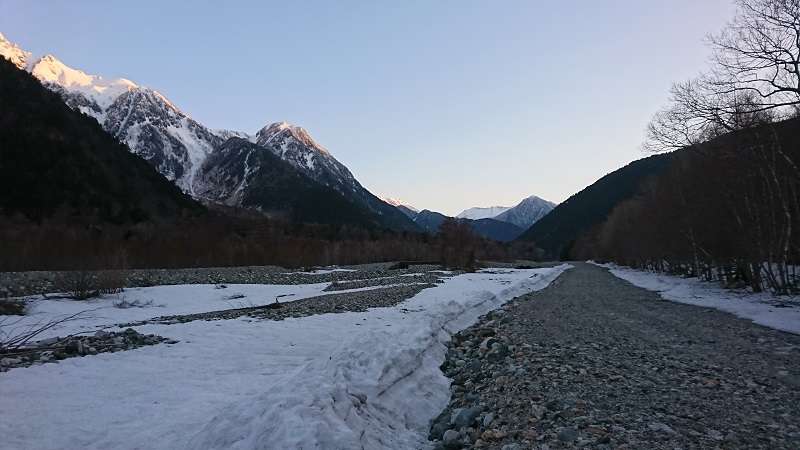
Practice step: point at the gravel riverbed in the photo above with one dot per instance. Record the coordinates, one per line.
(594, 362)
(17, 284)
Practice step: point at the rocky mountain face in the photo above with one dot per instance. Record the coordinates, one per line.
(61, 167)
(185, 151)
(294, 145)
(527, 212)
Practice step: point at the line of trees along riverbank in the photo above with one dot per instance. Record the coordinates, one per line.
(725, 210)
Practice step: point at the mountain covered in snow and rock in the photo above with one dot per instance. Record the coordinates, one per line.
(403, 206)
(482, 212)
(196, 158)
(501, 223)
(523, 215)
(527, 212)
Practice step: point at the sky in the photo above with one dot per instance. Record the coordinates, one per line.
(444, 104)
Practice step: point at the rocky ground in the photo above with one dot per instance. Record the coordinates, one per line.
(17, 284)
(594, 362)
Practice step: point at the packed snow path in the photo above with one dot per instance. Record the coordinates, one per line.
(334, 381)
(600, 363)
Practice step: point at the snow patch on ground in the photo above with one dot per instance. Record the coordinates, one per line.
(780, 313)
(333, 381)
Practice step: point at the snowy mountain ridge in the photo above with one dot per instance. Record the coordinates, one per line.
(479, 212)
(179, 147)
(527, 212)
(398, 202)
(149, 124)
(524, 214)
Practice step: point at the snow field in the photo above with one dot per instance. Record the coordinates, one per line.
(335, 381)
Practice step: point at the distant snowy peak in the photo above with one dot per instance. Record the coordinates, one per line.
(405, 207)
(294, 145)
(482, 212)
(398, 202)
(527, 212)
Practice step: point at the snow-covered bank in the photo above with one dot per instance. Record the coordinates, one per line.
(348, 380)
(780, 313)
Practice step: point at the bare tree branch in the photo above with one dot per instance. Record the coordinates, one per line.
(754, 78)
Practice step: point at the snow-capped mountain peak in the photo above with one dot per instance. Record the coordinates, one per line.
(180, 147)
(482, 212)
(397, 202)
(20, 58)
(527, 212)
(271, 132)
(101, 92)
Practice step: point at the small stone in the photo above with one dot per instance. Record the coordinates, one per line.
(605, 439)
(466, 416)
(450, 439)
(530, 434)
(437, 432)
(715, 435)
(8, 362)
(100, 334)
(487, 420)
(568, 435)
(48, 342)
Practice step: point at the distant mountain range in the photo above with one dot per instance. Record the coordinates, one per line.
(279, 171)
(214, 165)
(501, 223)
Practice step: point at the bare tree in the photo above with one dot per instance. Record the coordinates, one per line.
(457, 242)
(754, 78)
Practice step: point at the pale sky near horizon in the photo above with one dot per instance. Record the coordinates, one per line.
(444, 104)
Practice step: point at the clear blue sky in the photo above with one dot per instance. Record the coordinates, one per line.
(445, 104)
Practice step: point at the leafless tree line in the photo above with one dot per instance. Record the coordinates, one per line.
(729, 207)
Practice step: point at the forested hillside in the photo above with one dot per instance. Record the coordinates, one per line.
(556, 232)
(727, 209)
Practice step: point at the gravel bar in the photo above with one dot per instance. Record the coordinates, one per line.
(359, 301)
(595, 362)
(17, 284)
